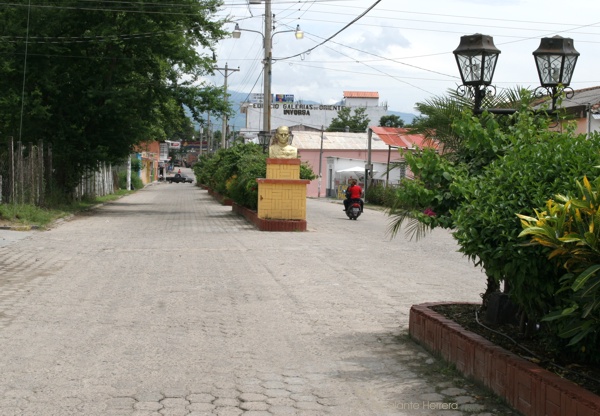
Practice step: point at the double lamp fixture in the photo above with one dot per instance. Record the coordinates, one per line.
(476, 57)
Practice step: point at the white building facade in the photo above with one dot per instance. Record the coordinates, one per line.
(302, 117)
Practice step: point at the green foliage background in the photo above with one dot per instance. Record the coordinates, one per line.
(569, 227)
(101, 79)
(487, 169)
(357, 122)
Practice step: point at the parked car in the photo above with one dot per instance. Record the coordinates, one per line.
(179, 178)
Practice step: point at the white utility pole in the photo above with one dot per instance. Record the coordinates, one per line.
(267, 71)
(224, 130)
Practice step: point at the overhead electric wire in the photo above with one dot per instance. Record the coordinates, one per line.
(382, 57)
(389, 75)
(336, 33)
(302, 64)
(102, 9)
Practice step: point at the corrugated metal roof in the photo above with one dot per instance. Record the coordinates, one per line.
(382, 138)
(335, 141)
(360, 94)
(399, 137)
(581, 98)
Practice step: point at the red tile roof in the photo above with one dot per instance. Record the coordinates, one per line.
(360, 94)
(399, 137)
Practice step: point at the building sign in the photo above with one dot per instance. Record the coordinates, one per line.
(164, 151)
(175, 145)
(301, 109)
(256, 98)
(284, 98)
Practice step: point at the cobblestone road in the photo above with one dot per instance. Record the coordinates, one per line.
(166, 303)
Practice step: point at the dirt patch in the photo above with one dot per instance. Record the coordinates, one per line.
(532, 349)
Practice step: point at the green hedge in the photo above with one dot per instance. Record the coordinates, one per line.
(233, 172)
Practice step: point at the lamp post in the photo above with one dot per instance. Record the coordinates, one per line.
(555, 61)
(267, 63)
(476, 57)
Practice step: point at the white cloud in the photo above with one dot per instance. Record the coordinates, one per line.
(403, 50)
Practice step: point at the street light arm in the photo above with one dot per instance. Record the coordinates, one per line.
(237, 28)
(299, 32)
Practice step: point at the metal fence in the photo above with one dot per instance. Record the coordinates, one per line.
(26, 175)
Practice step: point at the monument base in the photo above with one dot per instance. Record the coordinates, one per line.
(269, 225)
(282, 195)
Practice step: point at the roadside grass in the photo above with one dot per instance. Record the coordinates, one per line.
(25, 215)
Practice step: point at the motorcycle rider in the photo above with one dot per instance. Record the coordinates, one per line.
(353, 192)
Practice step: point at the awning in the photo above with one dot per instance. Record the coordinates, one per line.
(353, 170)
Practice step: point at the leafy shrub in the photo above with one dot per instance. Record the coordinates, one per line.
(136, 181)
(427, 200)
(244, 189)
(570, 228)
(501, 166)
(535, 165)
(136, 165)
(228, 164)
(204, 169)
(233, 172)
(380, 195)
(306, 172)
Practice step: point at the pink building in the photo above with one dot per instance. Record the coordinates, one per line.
(341, 156)
(584, 107)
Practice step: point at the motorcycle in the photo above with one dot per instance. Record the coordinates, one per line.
(354, 210)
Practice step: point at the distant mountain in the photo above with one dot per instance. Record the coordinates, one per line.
(239, 121)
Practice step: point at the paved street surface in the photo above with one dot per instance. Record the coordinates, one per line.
(167, 303)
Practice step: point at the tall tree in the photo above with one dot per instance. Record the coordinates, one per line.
(356, 123)
(93, 81)
(391, 121)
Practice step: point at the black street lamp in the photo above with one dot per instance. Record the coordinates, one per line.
(555, 60)
(476, 57)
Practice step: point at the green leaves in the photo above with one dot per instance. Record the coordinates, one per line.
(391, 121)
(101, 80)
(570, 227)
(357, 122)
(233, 172)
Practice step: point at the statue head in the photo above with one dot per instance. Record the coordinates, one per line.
(282, 136)
(280, 147)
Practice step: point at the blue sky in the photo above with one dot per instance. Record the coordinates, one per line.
(401, 49)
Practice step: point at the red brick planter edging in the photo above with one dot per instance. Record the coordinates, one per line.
(222, 199)
(260, 223)
(266, 224)
(527, 387)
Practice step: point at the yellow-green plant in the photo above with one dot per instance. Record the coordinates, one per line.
(570, 228)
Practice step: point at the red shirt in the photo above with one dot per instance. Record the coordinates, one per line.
(355, 192)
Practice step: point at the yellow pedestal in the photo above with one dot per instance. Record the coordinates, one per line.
(282, 195)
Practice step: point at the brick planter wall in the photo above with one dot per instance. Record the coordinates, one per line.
(527, 387)
(222, 199)
(267, 224)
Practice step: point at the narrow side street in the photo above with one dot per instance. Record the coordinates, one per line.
(167, 303)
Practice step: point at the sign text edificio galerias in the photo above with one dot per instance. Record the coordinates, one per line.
(301, 109)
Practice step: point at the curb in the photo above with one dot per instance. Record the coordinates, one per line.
(525, 386)
(20, 227)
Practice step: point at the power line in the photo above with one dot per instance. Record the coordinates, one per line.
(162, 12)
(336, 33)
